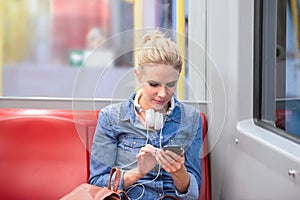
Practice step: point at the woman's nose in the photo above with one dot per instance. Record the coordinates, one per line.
(162, 92)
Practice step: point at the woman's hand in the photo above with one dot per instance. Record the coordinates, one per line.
(146, 158)
(145, 162)
(170, 161)
(174, 164)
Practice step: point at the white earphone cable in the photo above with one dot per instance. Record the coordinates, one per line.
(146, 182)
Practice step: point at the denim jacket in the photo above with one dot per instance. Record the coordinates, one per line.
(120, 135)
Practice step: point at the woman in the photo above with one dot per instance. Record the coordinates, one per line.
(132, 134)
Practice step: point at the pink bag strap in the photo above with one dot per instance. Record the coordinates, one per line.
(117, 178)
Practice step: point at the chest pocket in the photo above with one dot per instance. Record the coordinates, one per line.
(128, 143)
(128, 148)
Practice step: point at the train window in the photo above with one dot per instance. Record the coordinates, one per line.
(277, 66)
(46, 44)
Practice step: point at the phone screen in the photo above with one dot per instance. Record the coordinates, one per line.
(174, 148)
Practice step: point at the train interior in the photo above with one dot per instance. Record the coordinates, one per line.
(60, 64)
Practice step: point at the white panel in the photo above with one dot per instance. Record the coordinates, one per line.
(197, 51)
(149, 13)
(247, 162)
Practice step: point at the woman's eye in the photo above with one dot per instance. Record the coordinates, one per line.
(171, 85)
(153, 84)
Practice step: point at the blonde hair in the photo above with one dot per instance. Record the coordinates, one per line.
(156, 49)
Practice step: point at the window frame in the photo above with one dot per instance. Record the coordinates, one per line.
(264, 59)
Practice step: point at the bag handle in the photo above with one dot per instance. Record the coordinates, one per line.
(117, 178)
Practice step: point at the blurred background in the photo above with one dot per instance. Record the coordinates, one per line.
(46, 43)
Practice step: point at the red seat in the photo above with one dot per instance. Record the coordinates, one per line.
(204, 193)
(41, 153)
(44, 154)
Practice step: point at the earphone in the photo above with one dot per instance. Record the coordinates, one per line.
(153, 119)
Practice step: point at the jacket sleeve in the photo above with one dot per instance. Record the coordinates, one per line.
(104, 150)
(192, 161)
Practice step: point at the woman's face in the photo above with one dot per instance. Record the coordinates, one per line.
(159, 83)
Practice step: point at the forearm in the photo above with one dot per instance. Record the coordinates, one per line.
(132, 176)
(99, 173)
(181, 180)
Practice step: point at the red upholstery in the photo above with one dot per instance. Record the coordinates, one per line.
(44, 154)
(205, 184)
(41, 154)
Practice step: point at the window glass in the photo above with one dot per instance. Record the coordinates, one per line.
(280, 67)
(288, 70)
(46, 42)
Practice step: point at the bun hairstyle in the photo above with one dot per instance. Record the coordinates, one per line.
(157, 49)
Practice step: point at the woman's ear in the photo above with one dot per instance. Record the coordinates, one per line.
(138, 75)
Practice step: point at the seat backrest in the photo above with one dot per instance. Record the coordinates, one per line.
(41, 155)
(44, 154)
(204, 193)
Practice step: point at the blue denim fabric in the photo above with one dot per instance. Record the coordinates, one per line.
(120, 135)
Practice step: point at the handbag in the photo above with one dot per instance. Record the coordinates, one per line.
(87, 191)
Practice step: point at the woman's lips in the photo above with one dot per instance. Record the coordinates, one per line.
(159, 102)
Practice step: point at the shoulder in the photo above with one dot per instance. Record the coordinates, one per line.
(111, 108)
(111, 111)
(117, 111)
(188, 110)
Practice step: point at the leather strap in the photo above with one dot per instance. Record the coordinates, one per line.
(113, 171)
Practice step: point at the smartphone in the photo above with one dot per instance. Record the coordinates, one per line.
(174, 148)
